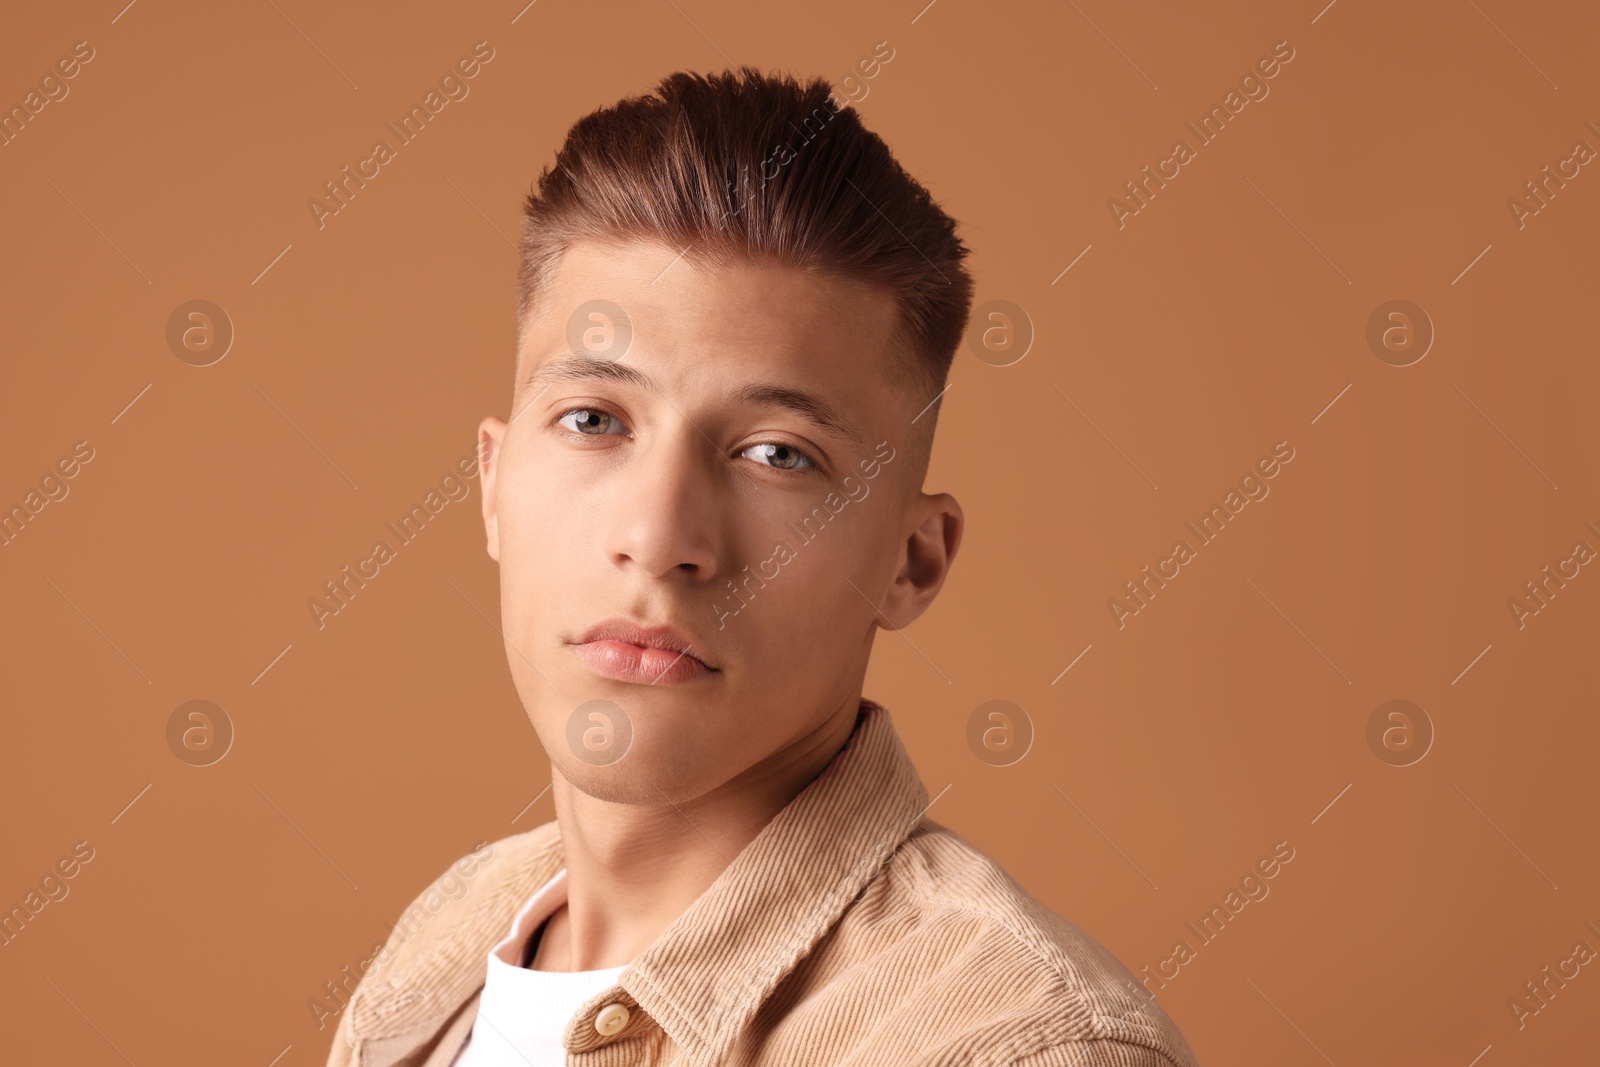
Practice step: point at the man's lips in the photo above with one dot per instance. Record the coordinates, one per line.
(623, 649)
(628, 662)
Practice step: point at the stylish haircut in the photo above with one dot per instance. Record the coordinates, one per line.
(745, 165)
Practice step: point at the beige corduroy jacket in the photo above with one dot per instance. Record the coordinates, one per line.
(851, 931)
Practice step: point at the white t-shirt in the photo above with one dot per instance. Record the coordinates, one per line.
(522, 1013)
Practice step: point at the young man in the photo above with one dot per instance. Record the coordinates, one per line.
(737, 312)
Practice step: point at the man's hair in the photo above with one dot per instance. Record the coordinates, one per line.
(752, 166)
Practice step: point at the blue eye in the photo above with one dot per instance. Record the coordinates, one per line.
(592, 422)
(597, 422)
(783, 457)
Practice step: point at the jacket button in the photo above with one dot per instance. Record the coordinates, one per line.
(610, 1019)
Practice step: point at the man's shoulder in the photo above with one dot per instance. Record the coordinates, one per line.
(1078, 993)
(492, 869)
(480, 885)
(443, 936)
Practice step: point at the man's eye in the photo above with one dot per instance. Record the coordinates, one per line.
(592, 422)
(782, 457)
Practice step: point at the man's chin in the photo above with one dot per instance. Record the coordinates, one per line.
(641, 778)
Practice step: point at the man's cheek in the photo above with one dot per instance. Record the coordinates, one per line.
(543, 540)
(537, 498)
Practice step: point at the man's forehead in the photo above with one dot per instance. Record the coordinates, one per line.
(752, 326)
(605, 295)
(753, 302)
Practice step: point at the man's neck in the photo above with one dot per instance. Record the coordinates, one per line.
(632, 869)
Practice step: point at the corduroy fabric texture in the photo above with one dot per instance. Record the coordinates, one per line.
(851, 931)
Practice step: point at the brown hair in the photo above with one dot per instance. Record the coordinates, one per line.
(759, 166)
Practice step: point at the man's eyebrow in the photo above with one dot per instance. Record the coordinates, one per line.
(808, 406)
(572, 369)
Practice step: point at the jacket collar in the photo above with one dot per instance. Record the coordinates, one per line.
(714, 965)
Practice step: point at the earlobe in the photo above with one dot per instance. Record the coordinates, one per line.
(491, 434)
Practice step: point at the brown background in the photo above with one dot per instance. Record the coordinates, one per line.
(1224, 317)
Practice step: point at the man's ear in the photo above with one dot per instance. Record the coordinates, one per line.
(926, 557)
(491, 434)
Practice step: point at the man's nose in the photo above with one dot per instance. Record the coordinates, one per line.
(669, 506)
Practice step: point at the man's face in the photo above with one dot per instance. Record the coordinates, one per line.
(766, 539)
